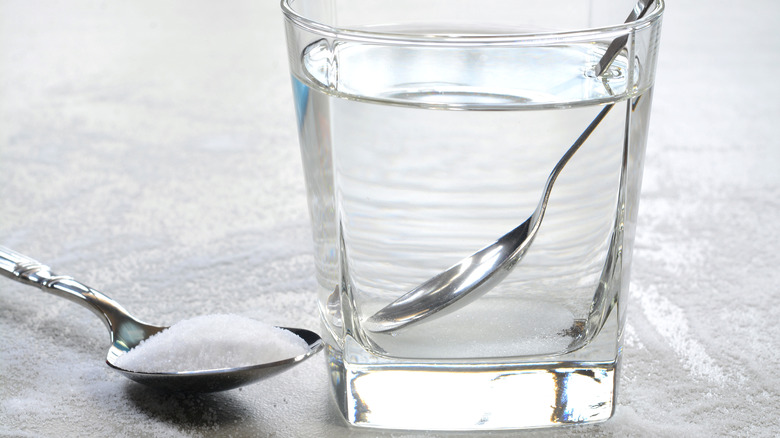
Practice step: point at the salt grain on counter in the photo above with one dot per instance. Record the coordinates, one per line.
(212, 342)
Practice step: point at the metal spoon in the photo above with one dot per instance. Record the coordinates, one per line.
(475, 275)
(127, 332)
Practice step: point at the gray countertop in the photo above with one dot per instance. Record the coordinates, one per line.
(149, 148)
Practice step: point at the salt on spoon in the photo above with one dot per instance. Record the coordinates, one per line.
(212, 342)
(127, 332)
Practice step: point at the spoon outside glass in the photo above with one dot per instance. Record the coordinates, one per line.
(475, 275)
(127, 332)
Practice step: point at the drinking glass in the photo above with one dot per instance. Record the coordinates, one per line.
(428, 130)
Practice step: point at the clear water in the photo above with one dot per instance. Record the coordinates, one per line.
(418, 158)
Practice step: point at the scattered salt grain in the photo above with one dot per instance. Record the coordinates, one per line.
(212, 342)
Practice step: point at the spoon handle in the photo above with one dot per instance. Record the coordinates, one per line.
(33, 273)
(639, 11)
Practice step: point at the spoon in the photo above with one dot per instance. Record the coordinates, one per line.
(475, 275)
(127, 332)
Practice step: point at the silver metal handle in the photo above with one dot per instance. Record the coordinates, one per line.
(639, 11)
(31, 272)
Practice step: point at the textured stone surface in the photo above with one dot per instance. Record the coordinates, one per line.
(149, 149)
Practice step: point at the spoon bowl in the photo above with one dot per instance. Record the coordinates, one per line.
(221, 379)
(127, 332)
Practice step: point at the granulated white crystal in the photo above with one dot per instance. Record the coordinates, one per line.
(212, 342)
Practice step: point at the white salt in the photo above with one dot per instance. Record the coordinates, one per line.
(212, 342)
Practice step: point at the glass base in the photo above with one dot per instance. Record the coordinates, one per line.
(464, 396)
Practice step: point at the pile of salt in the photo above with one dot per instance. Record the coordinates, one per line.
(212, 342)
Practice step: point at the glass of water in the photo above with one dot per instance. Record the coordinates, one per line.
(428, 130)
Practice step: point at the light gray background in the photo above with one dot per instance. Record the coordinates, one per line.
(149, 148)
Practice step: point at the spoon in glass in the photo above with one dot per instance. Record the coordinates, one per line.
(127, 332)
(475, 275)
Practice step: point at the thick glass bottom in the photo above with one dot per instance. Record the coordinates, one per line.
(463, 396)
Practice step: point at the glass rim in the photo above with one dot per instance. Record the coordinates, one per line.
(460, 39)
